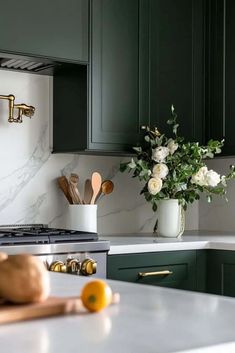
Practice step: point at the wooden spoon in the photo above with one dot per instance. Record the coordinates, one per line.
(73, 189)
(96, 181)
(106, 188)
(88, 192)
(64, 186)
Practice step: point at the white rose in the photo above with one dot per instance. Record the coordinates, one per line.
(223, 180)
(172, 146)
(154, 185)
(160, 171)
(212, 178)
(160, 153)
(199, 178)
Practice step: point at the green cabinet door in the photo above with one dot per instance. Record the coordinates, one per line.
(56, 29)
(221, 73)
(175, 269)
(221, 272)
(117, 80)
(176, 65)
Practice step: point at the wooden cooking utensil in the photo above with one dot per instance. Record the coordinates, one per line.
(106, 188)
(88, 192)
(64, 186)
(96, 181)
(51, 307)
(73, 189)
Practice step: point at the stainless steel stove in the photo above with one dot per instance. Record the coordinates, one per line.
(62, 250)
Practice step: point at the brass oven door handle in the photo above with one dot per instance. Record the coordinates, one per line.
(155, 273)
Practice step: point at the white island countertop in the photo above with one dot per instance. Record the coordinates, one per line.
(190, 240)
(147, 319)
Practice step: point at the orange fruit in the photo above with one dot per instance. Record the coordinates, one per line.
(96, 295)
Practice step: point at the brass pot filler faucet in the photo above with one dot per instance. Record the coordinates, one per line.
(23, 109)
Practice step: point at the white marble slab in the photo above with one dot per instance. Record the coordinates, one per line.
(191, 240)
(147, 319)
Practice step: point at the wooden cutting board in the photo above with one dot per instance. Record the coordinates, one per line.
(51, 307)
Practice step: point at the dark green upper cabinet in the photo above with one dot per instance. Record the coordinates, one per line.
(144, 56)
(117, 90)
(54, 29)
(177, 64)
(221, 73)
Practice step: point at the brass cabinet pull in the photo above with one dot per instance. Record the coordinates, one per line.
(155, 273)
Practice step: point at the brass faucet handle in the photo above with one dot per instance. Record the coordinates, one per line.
(23, 109)
(29, 111)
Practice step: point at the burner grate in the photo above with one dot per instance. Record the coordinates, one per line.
(38, 234)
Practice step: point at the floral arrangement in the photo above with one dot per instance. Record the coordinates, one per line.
(174, 169)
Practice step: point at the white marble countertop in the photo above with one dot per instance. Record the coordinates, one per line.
(191, 240)
(147, 319)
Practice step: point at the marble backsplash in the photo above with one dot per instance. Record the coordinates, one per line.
(28, 188)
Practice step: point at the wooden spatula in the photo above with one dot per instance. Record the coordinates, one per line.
(96, 182)
(73, 189)
(88, 192)
(64, 186)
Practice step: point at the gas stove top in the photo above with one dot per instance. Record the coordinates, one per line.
(42, 235)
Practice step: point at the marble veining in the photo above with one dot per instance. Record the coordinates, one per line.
(28, 187)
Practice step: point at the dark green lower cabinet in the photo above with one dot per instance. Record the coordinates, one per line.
(211, 271)
(176, 269)
(221, 272)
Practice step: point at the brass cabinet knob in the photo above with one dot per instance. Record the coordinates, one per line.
(73, 265)
(88, 267)
(58, 266)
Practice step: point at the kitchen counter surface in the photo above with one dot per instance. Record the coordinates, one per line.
(191, 240)
(147, 319)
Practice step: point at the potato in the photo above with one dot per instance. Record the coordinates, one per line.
(24, 279)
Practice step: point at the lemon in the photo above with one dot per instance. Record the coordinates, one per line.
(96, 295)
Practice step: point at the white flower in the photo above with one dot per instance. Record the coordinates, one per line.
(223, 180)
(132, 164)
(212, 178)
(160, 153)
(205, 177)
(160, 171)
(172, 146)
(154, 185)
(200, 177)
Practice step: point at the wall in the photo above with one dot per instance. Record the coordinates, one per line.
(219, 215)
(28, 188)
